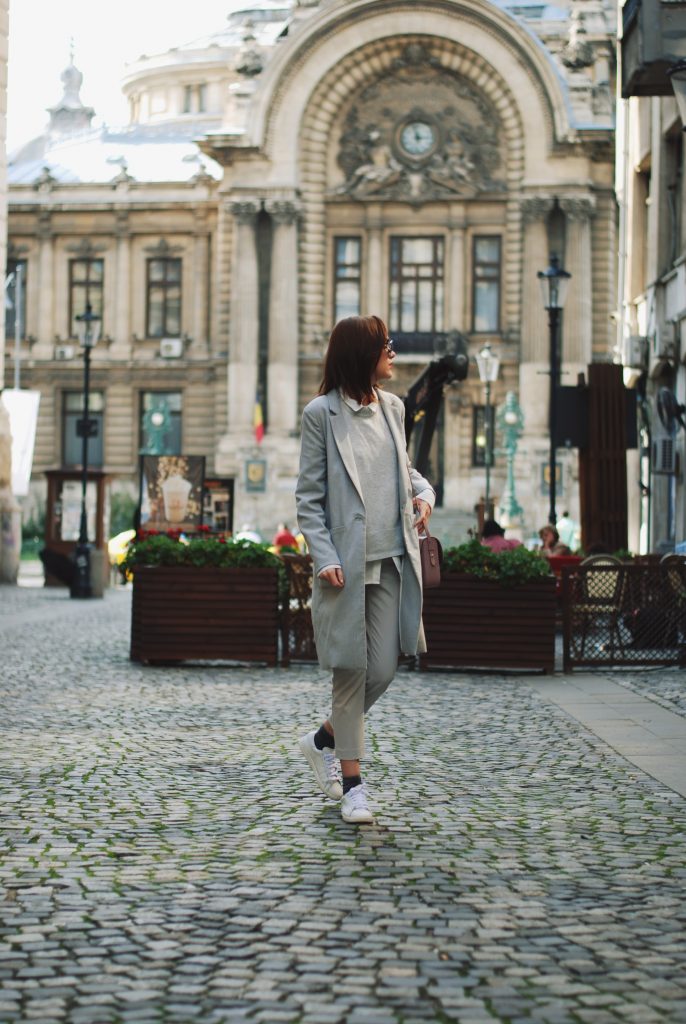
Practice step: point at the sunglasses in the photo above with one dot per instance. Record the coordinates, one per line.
(388, 347)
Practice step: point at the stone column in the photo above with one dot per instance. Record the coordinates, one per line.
(201, 264)
(577, 338)
(243, 330)
(282, 370)
(535, 335)
(122, 325)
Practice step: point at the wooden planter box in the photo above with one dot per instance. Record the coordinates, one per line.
(474, 623)
(182, 613)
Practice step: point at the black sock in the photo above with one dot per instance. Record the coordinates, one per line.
(323, 738)
(350, 781)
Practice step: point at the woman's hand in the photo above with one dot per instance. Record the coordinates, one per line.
(423, 510)
(333, 576)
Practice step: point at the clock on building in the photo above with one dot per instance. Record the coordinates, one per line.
(417, 138)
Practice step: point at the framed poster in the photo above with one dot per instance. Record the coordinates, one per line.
(218, 504)
(171, 492)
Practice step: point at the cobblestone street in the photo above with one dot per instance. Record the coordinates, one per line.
(165, 855)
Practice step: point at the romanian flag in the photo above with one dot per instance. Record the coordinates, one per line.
(258, 420)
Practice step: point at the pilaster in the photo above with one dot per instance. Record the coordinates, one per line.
(535, 211)
(282, 369)
(455, 292)
(244, 328)
(577, 337)
(201, 263)
(121, 347)
(534, 367)
(373, 298)
(46, 285)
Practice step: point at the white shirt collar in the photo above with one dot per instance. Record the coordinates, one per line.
(356, 406)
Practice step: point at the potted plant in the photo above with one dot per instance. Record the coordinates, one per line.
(203, 597)
(491, 610)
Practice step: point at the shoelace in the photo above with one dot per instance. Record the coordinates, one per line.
(330, 762)
(358, 796)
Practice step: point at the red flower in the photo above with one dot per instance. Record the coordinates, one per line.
(221, 538)
(151, 533)
(204, 528)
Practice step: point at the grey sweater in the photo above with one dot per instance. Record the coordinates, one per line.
(377, 467)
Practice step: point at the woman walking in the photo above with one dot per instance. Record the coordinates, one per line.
(360, 508)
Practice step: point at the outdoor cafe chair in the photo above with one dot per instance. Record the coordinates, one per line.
(675, 617)
(597, 602)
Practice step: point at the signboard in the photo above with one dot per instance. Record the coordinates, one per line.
(545, 478)
(22, 407)
(255, 475)
(172, 492)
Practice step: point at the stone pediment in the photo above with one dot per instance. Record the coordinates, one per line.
(420, 133)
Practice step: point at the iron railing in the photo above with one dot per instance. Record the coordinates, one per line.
(297, 637)
(624, 614)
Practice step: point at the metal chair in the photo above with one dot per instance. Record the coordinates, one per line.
(597, 602)
(674, 567)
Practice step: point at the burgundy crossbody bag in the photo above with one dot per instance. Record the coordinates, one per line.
(431, 555)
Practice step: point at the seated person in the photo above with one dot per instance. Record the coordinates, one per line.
(283, 538)
(493, 537)
(551, 543)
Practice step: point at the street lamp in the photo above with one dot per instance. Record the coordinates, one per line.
(511, 424)
(554, 283)
(88, 330)
(677, 75)
(488, 363)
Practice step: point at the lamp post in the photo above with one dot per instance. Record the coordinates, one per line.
(554, 283)
(88, 329)
(511, 424)
(488, 363)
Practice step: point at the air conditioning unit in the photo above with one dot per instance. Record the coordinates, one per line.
(64, 351)
(664, 454)
(635, 351)
(664, 342)
(171, 348)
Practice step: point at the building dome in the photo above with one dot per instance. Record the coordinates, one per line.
(191, 82)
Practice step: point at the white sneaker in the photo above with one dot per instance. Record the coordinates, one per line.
(324, 765)
(354, 806)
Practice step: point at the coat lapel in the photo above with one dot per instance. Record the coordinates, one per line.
(339, 429)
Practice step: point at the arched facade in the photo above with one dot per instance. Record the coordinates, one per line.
(358, 209)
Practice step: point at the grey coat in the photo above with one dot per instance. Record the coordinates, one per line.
(331, 516)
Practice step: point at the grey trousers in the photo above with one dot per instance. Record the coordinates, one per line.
(355, 690)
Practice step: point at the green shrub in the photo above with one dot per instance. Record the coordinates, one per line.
(199, 551)
(508, 568)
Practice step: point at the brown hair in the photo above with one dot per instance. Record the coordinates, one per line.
(354, 349)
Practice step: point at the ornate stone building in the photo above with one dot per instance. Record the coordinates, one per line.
(9, 538)
(311, 161)
(651, 318)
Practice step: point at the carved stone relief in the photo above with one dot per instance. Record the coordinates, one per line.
(283, 211)
(581, 208)
(420, 133)
(535, 208)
